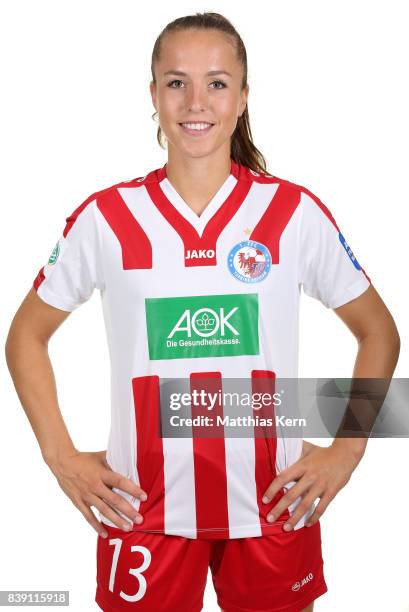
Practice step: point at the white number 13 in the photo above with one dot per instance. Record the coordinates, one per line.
(135, 571)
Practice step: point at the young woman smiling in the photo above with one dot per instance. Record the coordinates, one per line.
(199, 264)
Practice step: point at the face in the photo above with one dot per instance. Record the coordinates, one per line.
(198, 80)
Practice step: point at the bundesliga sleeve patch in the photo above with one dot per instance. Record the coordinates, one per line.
(202, 326)
(54, 255)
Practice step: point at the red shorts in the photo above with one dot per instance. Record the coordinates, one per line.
(146, 571)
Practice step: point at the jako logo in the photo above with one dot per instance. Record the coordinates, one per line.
(200, 254)
(204, 322)
(297, 585)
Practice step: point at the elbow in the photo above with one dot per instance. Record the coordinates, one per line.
(393, 338)
(385, 340)
(386, 333)
(16, 343)
(387, 343)
(395, 348)
(396, 344)
(10, 347)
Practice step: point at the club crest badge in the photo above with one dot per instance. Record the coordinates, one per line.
(249, 261)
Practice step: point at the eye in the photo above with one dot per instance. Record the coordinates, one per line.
(171, 83)
(174, 81)
(221, 83)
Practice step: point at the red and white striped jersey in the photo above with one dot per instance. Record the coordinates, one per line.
(186, 298)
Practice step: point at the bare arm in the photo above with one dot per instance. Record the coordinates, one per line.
(368, 318)
(30, 367)
(86, 478)
(322, 472)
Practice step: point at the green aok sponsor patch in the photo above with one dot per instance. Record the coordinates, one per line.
(202, 326)
(54, 255)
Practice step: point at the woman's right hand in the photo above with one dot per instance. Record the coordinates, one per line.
(87, 479)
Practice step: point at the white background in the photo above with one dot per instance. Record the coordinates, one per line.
(328, 108)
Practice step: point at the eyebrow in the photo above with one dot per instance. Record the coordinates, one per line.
(210, 73)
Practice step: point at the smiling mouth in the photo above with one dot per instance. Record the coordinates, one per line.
(196, 127)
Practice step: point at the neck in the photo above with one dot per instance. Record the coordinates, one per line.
(197, 179)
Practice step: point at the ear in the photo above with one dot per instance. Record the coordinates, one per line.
(152, 89)
(243, 101)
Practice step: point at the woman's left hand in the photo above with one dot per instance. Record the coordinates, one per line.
(319, 472)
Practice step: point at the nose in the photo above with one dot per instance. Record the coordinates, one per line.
(196, 98)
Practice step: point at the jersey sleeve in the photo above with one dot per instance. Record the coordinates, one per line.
(74, 268)
(328, 269)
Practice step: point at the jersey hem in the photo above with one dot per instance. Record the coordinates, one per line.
(222, 533)
(54, 300)
(351, 293)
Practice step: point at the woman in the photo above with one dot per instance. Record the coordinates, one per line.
(199, 265)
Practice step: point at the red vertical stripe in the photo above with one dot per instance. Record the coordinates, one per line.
(149, 446)
(273, 222)
(209, 462)
(135, 244)
(265, 447)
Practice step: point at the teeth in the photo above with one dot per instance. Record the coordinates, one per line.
(196, 126)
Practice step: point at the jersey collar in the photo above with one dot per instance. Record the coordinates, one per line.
(199, 232)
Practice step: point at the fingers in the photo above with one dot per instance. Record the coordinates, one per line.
(112, 501)
(110, 513)
(284, 502)
(290, 474)
(113, 479)
(117, 502)
(319, 510)
(88, 481)
(302, 508)
(300, 489)
(318, 474)
(92, 519)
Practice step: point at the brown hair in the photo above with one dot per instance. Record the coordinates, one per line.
(242, 148)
